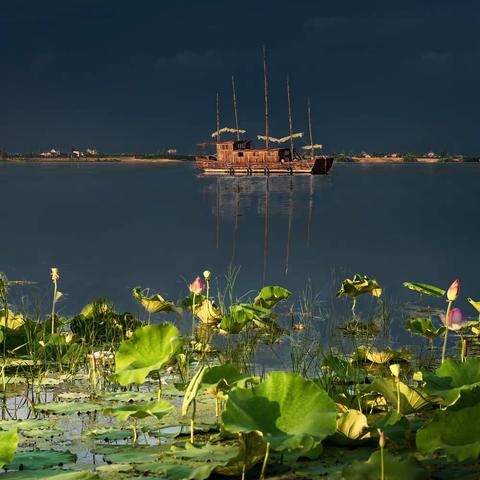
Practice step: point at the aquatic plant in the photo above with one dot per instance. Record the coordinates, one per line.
(359, 285)
(56, 294)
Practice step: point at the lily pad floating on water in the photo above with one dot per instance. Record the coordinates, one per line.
(129, 454)
(128, 397)
(454, 431)
(291, 413)
(149, 349)
(56, 474)
(179, 471)
(40, 459)
(154, 409)
(68, 408)
(452, 377)
(396, 468)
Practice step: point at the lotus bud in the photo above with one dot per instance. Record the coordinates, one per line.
(452, 292)
(55, 275)
(196, 287)
(382, 440)
(395, 369)
(207, 274)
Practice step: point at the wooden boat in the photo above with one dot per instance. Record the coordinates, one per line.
(239, 158)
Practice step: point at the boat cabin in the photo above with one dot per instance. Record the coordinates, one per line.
(240, 152)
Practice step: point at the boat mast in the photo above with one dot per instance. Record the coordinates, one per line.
(265, 80)
(290, 126)
(235, 108)
(218, 118)
(310, 128)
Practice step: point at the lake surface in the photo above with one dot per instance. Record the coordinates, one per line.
(111, 227)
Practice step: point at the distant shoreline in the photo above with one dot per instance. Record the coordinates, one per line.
(101, 159)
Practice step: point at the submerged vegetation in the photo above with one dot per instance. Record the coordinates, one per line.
(183, 393)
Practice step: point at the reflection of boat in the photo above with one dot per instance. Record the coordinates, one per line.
(237, 157)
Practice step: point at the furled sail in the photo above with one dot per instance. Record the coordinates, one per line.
(281, 140)
(227, 130)
(311, 147)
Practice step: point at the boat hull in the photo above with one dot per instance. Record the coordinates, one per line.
(318, 166)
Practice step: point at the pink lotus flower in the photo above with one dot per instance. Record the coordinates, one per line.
(196, 287)
(453, 290)
(456, 320)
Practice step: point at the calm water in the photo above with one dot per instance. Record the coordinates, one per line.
(109, 228)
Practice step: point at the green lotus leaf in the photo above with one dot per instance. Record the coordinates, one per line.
(56, 474)
(344, 370)
(371, 354)
(154, 409)
(452, 377)
(224, 377)
(40, 459)
(410, 399)
(149, 349)
(110, 434)
(359, 285)
(454, 431)
(128, 396)
(230, 459)
(176, 471)
(128, 454)
(208, 312)
(15, 320)
(26, 425)
(67, 408)
(269, 296)
(474, 303)
(153, 304)
(290, 412)
(8, 446)
(424, 327)
(241, 314)
(425, 289)
(192, 389)
(396, 468)
(395, 426)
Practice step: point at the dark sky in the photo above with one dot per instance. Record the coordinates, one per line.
(141, 76)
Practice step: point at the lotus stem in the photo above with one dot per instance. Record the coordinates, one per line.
(463, 352)
(243, 471)
(397, 380)
(382, 465)
(192, 421)
(217, 409)
(445, 337)
(354, 304)
(53, 304)
(134, 432)
(159, 391)
(193, 313)
(265, 461)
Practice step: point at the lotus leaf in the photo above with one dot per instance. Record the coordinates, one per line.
(15, 320)
(240, 315)
(8, 446)
(452, 377)
(359, 285)
(192, 389)
(455, 430)
(371, 354)
(474, 303)
(290, 412)
(396, 468)
(410, 399)
(56, 474)
(224, 377)
(424, 327)
(269, 296)
(345, 371)
(154, 409)
(352, 425)
(176, 471)
(153, 304)
(68, 408)
(40, 459)
(128, 454)
(425, 289)
(395, 426)
(230, 458)
(128, 396)
(149, 349)
(208, 312)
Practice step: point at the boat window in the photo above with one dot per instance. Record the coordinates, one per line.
(240, 154)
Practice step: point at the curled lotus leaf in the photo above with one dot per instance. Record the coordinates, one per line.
(396, 468)
(149, 349)
(359, 285)
(371, 354)
(474, 303)
(454, 431)
(277, 408)
(411, 400)
(12, 321)
(424, 326)
(208, 312)
(425, 289)
(269, 296)
(153, 304)
(352, 426)
(452, 377)
(222, 378)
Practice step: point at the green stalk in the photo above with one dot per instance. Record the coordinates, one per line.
(193, 314)
(53, 305)
(265, 461)
(382, 465)
(134, 431)
(445, 337)
(398, 395)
